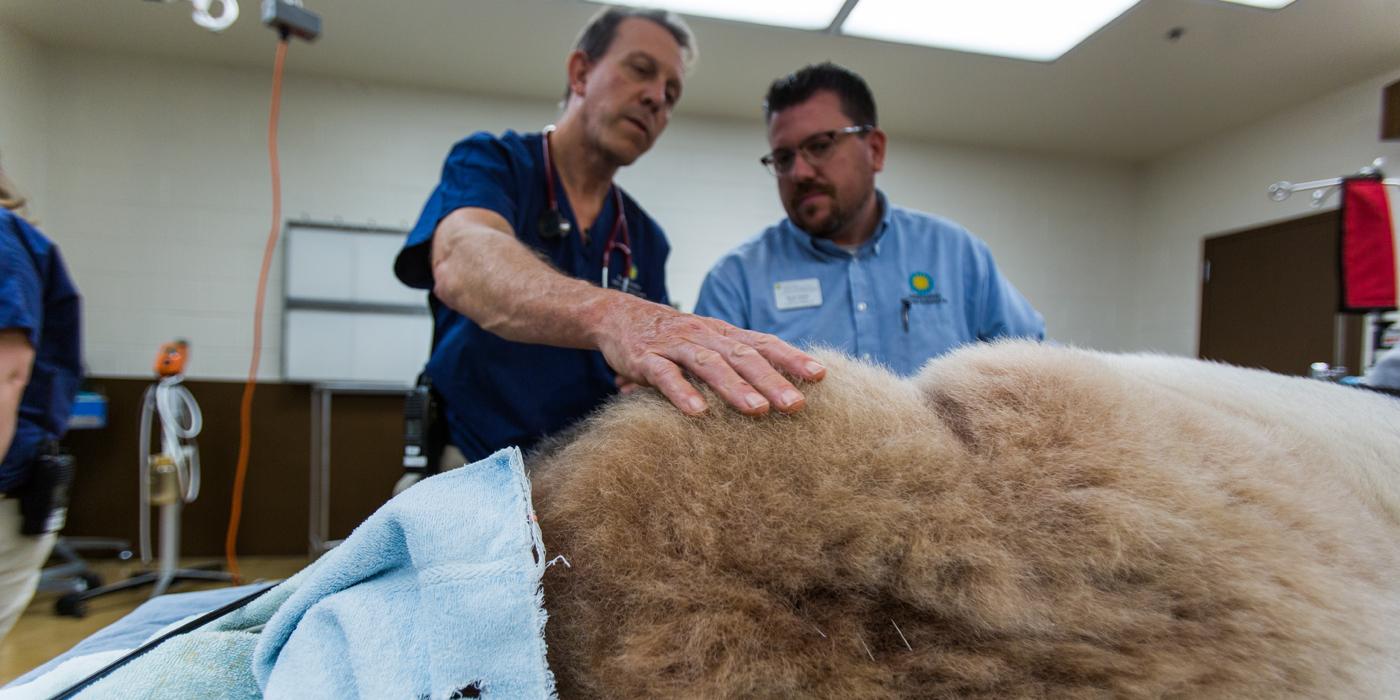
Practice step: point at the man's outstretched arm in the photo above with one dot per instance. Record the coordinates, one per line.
(483, 272)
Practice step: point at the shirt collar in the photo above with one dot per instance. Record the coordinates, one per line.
(827, 249)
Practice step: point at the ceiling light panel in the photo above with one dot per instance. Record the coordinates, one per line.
(1266, 4)
(1035, 30)
(799, 14)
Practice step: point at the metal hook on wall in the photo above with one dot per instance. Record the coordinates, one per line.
(1324, 189)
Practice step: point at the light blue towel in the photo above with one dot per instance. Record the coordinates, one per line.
(436, 595)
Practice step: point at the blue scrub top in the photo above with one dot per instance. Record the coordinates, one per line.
(38, 297)
(497, 392)
(919, 287)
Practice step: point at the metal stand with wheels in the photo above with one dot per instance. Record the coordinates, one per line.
(169, 479)
(75, 604)
(74, 574)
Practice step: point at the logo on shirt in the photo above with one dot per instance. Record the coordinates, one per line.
(921, 283)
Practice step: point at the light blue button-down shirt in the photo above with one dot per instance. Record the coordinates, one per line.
(919, 287)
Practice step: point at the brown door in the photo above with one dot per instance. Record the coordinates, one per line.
(1269, 297)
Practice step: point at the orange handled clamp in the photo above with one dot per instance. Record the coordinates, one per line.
(170, 361)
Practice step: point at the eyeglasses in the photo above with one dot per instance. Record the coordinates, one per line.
(815, 149)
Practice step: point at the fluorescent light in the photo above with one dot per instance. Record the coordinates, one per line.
(799, 14)
(1266, 4)
(1036, 30)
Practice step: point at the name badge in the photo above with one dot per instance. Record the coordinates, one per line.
(797, 294)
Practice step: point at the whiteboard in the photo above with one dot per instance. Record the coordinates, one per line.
(334, 346)
(346, 318)
(346, 266)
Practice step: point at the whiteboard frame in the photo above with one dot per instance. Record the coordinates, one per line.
(348, 306)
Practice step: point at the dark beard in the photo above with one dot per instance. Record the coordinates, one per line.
(834, 221)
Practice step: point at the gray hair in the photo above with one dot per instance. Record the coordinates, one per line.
(597, 36)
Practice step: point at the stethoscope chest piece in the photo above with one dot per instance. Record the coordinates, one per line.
(553, 225)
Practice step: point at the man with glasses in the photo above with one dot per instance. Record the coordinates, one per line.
(547, 281)
(846, 268)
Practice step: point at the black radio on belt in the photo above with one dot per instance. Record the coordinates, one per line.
(43, 500)
(424, 434)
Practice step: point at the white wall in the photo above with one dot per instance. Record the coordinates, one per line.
(1221, 185)
(160, 178)
(1049, 221)
(158, 191)
(22, 133)
(1059, 228)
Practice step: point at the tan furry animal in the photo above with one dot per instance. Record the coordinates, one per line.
(1016, 521)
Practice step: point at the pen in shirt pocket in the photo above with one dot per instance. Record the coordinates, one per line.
(904, 312)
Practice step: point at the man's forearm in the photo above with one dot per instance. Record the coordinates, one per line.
(9, 415)
(16, 358)
(490, 277)
(481, 271)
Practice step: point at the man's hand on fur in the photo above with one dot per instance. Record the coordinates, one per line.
(650, 344)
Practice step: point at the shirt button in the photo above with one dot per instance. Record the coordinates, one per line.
(865, 356)
(861, 306)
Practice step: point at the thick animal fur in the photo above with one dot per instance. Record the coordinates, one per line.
(1016, 521)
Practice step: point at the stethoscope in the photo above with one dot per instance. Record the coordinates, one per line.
(553, 225)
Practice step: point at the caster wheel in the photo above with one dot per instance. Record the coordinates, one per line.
(71, 605)
(91, 581)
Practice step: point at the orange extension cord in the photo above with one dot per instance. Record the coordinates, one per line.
(245, 414)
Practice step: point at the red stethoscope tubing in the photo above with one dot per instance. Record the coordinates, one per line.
(625, 245)
(619, 222)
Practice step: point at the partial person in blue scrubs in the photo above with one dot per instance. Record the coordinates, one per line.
(848, 269)
(548, 281)
(40, 370)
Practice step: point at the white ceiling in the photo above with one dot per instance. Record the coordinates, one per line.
(1126, 93)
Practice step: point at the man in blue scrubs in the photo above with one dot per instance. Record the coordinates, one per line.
(847, 269)
(548, 282)
(40, 369)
